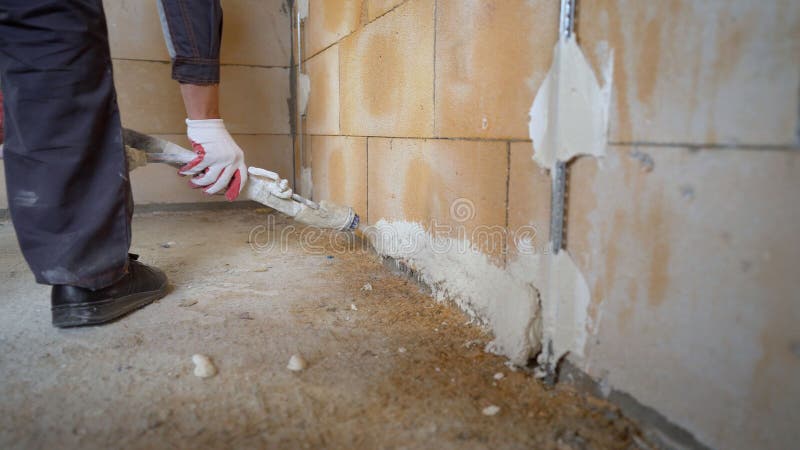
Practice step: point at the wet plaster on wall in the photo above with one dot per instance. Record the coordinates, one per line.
(537, 297)
(568, 118)
(569, 115)
(506, 300)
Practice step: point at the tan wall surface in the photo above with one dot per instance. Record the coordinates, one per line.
(254, 88)
(694, 290)
(687, 246)
(699, 72)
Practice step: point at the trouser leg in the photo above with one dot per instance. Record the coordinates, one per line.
(193, 32)
(66, 171)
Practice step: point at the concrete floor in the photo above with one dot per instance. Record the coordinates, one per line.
(130, 383)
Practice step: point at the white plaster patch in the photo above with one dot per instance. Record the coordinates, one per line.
(508, 300)
(565, 303)
(569, 115)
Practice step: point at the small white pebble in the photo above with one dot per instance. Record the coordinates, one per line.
(490, 410)
(353, 307)
(366, 287)
(438, 369)
(499, 376)
(169, 244)
(203, 367)
(297, 363)
(401, 350)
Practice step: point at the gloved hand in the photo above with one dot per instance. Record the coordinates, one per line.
(219, 163)
(278, 186)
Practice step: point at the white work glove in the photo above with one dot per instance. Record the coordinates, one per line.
(277, 186)
(219, 163)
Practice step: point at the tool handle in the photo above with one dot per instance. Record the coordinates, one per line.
(162, 151)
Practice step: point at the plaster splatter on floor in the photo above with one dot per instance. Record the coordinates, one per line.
(131, 384)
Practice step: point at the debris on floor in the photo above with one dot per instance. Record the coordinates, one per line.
(297, 363)
(203, 367)
(490, 410)
(364, 391)
(367, 287)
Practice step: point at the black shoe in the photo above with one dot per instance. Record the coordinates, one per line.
(76, 306)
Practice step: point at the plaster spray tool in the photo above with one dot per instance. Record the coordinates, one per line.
(143, 149)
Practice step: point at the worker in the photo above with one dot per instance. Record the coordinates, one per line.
(66, 171)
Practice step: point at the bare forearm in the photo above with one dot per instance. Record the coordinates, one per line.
(201, 101)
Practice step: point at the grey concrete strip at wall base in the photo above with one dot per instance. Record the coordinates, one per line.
(657, 428)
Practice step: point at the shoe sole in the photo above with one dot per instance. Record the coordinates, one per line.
(98, 313)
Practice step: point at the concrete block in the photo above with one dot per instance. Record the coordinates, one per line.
(323, 103)
(691, 261)
(386, 72)
(529, 189)
(149, 100)
(134, 30)
(491, 57)
(329, 21)
(454, 189)
(723, 72)
(268, 151)
(256, 32)
(255, 100)
(339, 170)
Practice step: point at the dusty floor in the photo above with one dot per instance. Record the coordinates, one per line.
(249, 307)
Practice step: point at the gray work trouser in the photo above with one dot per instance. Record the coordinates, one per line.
(66, 170)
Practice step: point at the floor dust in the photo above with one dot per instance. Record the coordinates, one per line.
(249, 290)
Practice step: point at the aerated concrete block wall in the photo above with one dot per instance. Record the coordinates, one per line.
(685, 231)
(256, 55)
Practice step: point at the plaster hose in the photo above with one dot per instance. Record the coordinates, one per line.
(261, 184)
